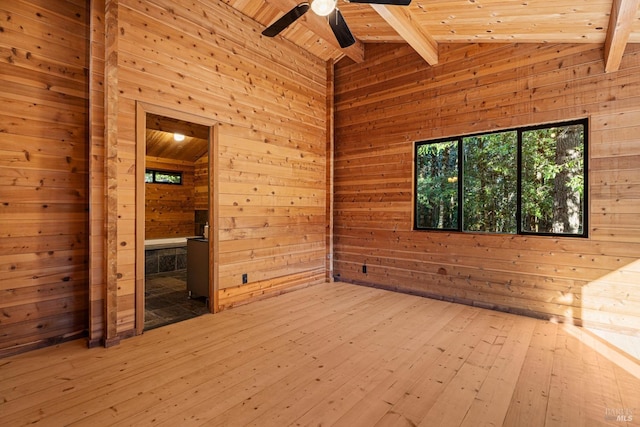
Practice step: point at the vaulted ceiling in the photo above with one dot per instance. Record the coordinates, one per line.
(162, 144)
(426, 23)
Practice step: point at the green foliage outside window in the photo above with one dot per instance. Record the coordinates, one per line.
(152, 176)
(437, 185)
(528, 180)
(490, 182)
(553, 180)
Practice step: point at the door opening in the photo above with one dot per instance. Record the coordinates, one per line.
(173, 216)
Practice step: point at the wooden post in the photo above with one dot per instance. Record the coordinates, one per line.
(96, 174)
(214, 220)
(329, 174)
(111, 172)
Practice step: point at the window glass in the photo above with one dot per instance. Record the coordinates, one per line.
(490, 182)
(437, 185)
(553, 180)
(152, 176)
(529, 180)
(168, 177)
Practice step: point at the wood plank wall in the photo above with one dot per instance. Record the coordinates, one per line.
(169, 209)
(272, 213)
(204, 58)
(198, 57)
(201, 183)
(43, 172)
(394, 98)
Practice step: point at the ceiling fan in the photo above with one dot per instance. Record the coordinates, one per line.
(329, 9)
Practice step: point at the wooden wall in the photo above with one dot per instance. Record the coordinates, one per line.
(393, 99)
(201, 183)
(43, 172)
(169, 209)
(203, 58)
(206, 59)
(271, 195)
(68, 155)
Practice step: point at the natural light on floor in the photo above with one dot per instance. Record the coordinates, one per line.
(619, 289)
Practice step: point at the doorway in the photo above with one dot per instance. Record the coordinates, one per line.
(173, 217)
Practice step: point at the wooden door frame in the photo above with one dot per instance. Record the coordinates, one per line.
(142, 109)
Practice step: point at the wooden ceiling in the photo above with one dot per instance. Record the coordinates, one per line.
(161, 143)
(426, 23)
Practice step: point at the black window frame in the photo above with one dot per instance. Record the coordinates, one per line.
(519, 131)
(166, 172)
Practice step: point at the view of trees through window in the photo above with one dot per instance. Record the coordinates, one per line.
(437, 186)
(553, 180)
(490, 183)
(152, 176)
(528, 180)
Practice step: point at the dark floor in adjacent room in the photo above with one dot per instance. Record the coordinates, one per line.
(167, 300)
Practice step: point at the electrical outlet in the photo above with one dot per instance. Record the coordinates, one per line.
(244, 278)
(364, 268)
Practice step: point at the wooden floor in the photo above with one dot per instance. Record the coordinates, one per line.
(332, 354)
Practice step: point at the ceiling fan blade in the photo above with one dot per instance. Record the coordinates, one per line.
(391, 2)
(286, 20)
(340, 29)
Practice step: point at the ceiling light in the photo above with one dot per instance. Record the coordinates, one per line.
(178, 137)
(323, 7)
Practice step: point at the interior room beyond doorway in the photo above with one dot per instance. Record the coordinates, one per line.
(176, 215)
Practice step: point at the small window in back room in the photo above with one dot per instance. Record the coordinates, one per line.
(153, 176)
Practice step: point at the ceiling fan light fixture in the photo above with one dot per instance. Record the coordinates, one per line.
(323, 7)
(178, 137)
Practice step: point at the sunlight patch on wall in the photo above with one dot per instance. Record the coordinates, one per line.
(610, 309)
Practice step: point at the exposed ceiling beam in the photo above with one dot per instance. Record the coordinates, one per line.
(320, 26)
(623, 12)
(419, 39)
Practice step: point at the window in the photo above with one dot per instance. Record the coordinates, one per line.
(152, 176)
(437, 188)
(490, 182)
(521, 181)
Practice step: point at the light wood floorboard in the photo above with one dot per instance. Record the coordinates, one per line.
(331, 354)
